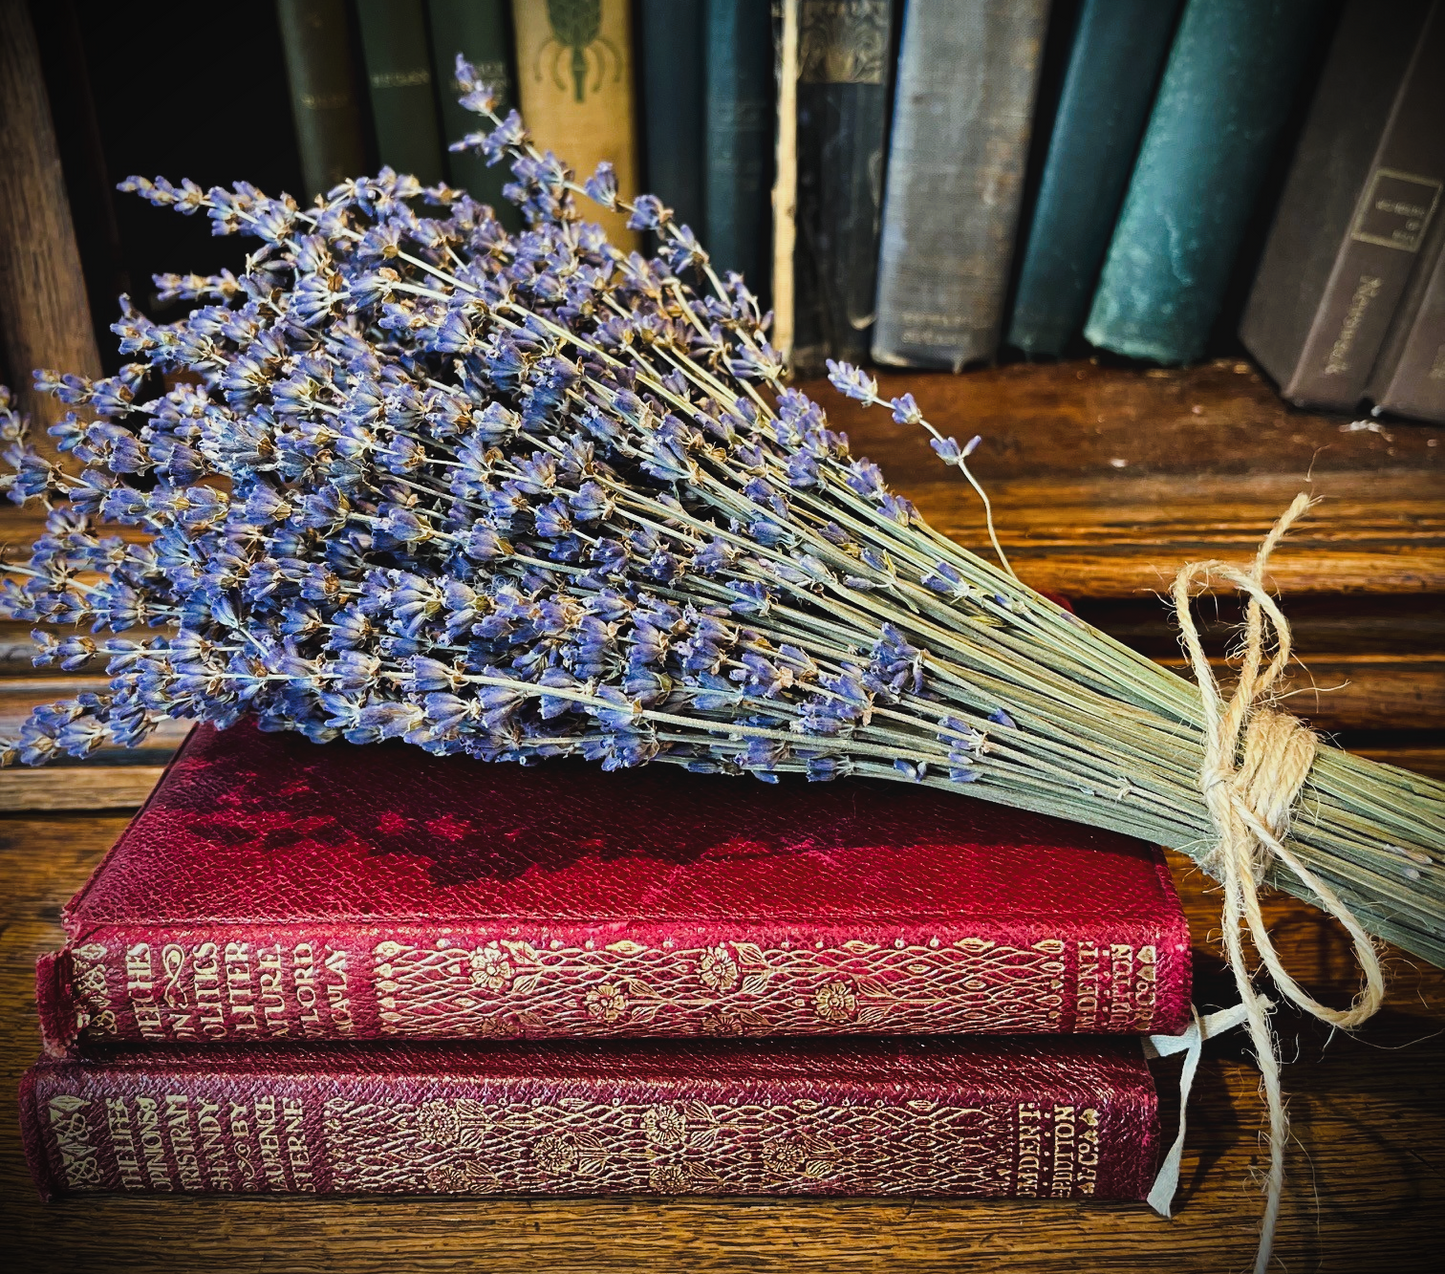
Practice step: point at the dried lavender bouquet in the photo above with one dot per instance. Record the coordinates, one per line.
(530, 496)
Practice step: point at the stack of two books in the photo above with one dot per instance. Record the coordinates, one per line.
(335, 969)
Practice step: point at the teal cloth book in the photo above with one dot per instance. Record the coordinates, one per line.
(1117, 54)
(1226, 93)
(672, 106)
(398, 74)
(739, 139)
(481, 31)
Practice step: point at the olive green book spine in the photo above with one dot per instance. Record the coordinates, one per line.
(481, 31)
(319, 70)
(399, 77)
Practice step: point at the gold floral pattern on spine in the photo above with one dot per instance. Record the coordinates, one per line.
(627, 1144)
(488, 986)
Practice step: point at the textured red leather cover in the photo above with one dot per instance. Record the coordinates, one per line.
(273, 888)
(1061, 1118)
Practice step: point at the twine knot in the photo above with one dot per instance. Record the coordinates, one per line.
(1256, 762)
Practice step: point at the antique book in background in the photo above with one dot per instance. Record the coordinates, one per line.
(329, 119)
(966, 80)
(845, 72)
(1227, 91)
(1114, 63)
(738, 143)
(1409, 375)
(273, 888)
(671, 46)
(398, 76)
(1060, 1119)
(574, 83)
(481, 31)
(1364, 186)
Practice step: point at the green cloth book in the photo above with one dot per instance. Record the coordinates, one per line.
(1118, 52)
(481, 31)
(1227, 90)
(398, 74)
(329, 130)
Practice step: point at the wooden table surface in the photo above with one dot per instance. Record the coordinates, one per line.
(1104, 481)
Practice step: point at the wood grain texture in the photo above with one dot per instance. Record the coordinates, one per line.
(44, 313)
(1366, 1193)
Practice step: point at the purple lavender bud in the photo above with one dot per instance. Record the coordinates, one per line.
(865, 478)
(602, 185)
(948, 449)
(905, 410)
(999, 717)
(852, 382)
(945, 580)
(648, 213)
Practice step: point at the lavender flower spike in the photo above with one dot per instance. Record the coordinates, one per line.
(519, 496)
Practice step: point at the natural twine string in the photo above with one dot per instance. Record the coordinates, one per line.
(1256, 760)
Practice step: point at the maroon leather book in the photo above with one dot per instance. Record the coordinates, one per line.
(1061, 1118)
(274, 888)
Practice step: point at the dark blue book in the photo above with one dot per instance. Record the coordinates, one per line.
(844, 77)
(1118, 50)
(1226, 94)
(739, 139)
(672, 106)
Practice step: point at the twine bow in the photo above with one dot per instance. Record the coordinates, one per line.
(1256, 760)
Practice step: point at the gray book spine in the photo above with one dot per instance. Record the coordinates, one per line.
(1409, 378)
(967, 77)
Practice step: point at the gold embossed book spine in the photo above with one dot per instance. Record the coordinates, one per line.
(1059, 1119)
(379, 893)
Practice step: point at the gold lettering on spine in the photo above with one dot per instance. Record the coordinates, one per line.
(337, 993)
(240, 995)
(1366, 290)
(213, 1144)
(71, 1126)
(183, 1142)
(1121, 981)
(268, 1137)
(152, 1145)
(1061, 1183)
(298, 1151)
(1087, 1154)
(241, 1145)
(1086, 1014)
(140, 989)
(122, 1144)
(210, 1003)
(180, 1017)
(273, 992)
(1028, 1172)
(1146, 978)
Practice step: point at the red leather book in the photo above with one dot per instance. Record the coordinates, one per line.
(273, 888)
(1047, 1118)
